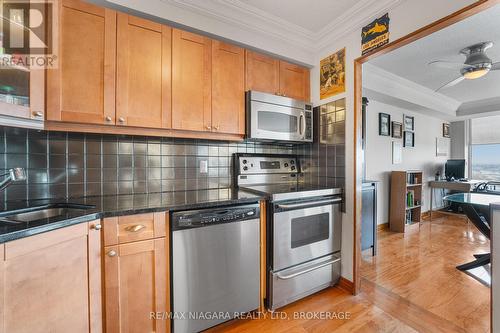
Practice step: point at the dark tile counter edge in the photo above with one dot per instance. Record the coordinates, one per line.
(7, 237)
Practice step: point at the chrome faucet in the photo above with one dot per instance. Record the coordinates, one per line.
(14, 175)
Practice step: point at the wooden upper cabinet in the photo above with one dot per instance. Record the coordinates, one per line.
(56, 278)
(191, 81)
(294, 81)
(136, 286)
(82, 88)
(228, 88)
(143, 89)
(273, 76)
(262, 73)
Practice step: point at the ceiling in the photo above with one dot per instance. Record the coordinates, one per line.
(310, 15)
(411, 61)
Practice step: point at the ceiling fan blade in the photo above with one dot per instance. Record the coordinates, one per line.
(495, 66)
(448, 64)
(451, 83)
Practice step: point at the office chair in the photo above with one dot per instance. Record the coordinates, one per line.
(483, 226)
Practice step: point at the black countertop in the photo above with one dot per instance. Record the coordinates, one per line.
(119, 205)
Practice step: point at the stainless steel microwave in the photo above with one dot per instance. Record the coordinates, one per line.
(277, 118)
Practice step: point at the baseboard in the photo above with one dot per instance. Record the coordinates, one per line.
(346, 285)
(383, 226)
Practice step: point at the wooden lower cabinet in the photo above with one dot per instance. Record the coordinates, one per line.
(136, 286)
(52, 282)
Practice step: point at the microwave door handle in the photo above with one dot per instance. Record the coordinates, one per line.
(302, 124)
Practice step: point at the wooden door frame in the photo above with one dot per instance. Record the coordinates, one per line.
(446, 21)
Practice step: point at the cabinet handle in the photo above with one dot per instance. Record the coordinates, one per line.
(97, 227)
(108, 119)
(121, 120)
(112, 253)
(284, 95)
(208, 127)
(37, 114)
(135, 228)
(217, 127)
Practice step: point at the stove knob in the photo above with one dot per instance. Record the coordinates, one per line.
(292, 162)
(286, 165)
(245, 168)
(244, 161)
(293, 168)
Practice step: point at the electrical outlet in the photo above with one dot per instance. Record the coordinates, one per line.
(204, 166)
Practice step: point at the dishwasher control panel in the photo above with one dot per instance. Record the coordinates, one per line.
(211, 216)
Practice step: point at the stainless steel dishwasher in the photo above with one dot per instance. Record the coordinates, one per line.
(215, 265)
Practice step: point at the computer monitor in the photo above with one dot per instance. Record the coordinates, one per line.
(455, 169)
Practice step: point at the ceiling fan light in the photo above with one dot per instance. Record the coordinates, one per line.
(476, 73)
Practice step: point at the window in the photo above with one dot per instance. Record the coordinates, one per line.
(485, 148)
(486, 162)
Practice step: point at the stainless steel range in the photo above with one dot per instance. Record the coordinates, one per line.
(304, 226)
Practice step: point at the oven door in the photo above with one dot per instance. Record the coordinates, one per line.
(276, 122)
(305, 231)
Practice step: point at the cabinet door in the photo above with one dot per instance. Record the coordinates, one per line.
(191, 81)
(262, 73)
(228, 88)
(136, 286)
(22, 87)
(82, 88)
(143, 73)
(55, 278)
(294, 81)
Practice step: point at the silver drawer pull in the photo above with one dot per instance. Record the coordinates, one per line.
(135, 228)
(310, 269)
(305, 204)
(112, 253)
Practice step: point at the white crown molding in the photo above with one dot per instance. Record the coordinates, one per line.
(389, 84)
(250, 18)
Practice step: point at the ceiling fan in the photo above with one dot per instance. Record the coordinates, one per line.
(476, 65)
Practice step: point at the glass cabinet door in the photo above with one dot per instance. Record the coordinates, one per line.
(21, 85)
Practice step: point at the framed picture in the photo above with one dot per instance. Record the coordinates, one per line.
(397, 130)
(384, 124)
(446, 130)
(409, 139)
(332, 74)
(409, 123)
(397, 152)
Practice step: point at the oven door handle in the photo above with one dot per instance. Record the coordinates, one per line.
(310, 269)
(307, 204)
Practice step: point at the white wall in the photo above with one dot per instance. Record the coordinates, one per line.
(407, 17)
(421, 157)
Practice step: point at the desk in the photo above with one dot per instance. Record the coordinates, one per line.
(477, 199)
(466, 186)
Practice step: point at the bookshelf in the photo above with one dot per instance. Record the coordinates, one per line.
(406, 199)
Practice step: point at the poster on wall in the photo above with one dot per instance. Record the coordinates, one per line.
(332, 75)
(375, 34)
(397, 152)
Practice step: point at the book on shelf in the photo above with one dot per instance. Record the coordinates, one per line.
(412, 179)
(409, 217)
(410, 198)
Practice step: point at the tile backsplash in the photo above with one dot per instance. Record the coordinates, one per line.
(61, 165)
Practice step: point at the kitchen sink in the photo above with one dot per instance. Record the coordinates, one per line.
(40, 212)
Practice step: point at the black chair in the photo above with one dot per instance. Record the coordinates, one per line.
(481, 223)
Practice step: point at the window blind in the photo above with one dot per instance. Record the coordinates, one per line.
(485, 130)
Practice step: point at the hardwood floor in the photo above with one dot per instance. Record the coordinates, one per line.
(419, 267)
(410, 286)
